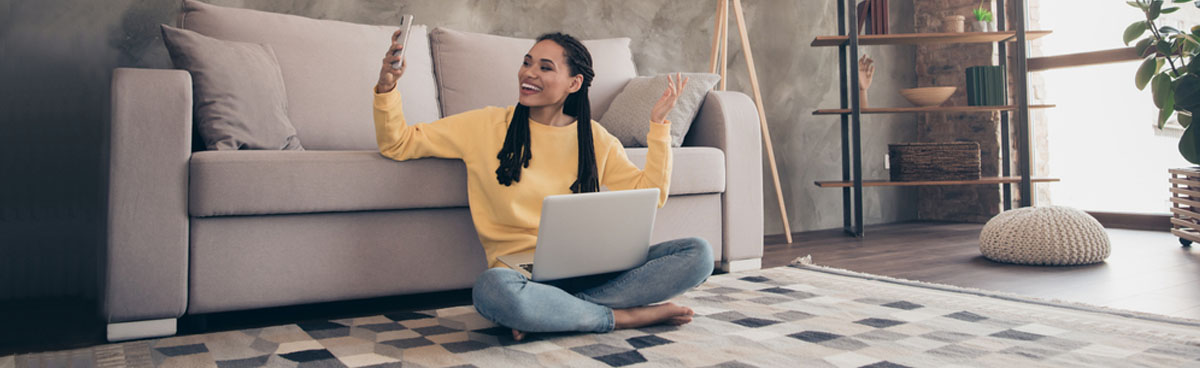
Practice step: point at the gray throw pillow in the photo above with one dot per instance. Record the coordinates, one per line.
(628, 118)
(240, 100)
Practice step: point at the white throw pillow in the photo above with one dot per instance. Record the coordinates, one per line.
(628, 117)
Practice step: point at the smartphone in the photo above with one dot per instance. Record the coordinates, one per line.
(406, 24)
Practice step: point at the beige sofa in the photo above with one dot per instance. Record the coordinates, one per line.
(195, 232)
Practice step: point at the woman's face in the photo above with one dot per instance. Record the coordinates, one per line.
(545, 77)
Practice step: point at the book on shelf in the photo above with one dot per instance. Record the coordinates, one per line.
(987, 86)
(873, 17)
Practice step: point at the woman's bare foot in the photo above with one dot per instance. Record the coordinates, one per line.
(668, 313)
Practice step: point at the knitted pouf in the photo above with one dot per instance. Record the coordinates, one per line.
(1051, 236)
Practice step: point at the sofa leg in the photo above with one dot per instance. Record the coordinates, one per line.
(741, 265)
(141, 329)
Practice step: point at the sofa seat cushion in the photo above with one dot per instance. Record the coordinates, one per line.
(329, 68)
(226, 183)
(696, 170)
(236, 183)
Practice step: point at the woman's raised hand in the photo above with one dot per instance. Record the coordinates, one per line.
(387, 75)
(667, 102)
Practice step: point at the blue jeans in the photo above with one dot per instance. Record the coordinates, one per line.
(506, 297)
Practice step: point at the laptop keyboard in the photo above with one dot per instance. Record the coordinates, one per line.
(528, 267)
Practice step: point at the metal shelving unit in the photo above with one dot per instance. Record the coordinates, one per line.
(851, 111)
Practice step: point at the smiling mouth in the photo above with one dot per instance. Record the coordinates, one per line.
(526, 87)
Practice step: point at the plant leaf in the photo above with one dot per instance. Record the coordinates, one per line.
(1165, 113)
(1188, 145)
(1168, 30)
(1170, 10)
(1181, 1)
(1155, 10)
(1161, 89)
(1147, 71)
(1185, 119)
(1187, 93)
(1163, 116)
(1135, 30)
(1189, 47)
(1164, 47)
(1143, 45)
(1194, 66)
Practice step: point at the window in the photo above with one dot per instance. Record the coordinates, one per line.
(1103, 139)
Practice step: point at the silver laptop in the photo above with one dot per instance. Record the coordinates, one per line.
(588, 234)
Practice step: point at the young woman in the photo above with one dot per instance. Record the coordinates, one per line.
(547, 145)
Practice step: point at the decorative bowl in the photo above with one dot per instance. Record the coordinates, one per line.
(928, 96)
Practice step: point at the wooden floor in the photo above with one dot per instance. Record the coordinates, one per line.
(1147, 271)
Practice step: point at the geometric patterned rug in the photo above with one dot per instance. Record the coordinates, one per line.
(797, 316)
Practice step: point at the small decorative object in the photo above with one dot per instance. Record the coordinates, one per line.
(1044, 236)
(987, 86)
(866, 72)
(953, 24)
(934, 161)
(873, 17)
(927, 96)
(983, 19)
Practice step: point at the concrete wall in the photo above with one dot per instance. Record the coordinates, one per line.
(57, 56)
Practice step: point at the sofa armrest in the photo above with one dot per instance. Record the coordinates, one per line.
(729, 121)
(147, 239)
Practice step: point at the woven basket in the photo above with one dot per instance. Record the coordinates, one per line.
(934, 161)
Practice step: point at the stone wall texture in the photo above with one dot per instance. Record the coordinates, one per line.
(945, 65)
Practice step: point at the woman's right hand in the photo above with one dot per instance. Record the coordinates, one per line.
(387, 75)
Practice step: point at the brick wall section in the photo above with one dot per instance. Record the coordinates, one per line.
(945, 65)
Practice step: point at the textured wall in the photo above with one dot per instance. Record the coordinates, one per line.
(57, 56)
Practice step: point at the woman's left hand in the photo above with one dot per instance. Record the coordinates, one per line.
(667, 101)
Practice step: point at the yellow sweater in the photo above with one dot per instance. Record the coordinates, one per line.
(506, 218)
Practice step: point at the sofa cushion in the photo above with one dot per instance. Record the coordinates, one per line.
(695, 170)
(275, 182)
(328, 69)
(228, 183)
(239, 95)
(475, 70)
(629, 120)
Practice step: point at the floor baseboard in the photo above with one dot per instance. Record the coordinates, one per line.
(1133, 221)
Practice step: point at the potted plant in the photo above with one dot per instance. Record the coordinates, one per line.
(1170, 69)
(1172, 72)
(983, 19)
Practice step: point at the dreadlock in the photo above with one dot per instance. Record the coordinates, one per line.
(515, 153)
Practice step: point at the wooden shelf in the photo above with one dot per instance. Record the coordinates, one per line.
(927, 38)
(901, 110)
(888, 183)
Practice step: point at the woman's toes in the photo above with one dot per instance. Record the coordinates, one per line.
(679, 320)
